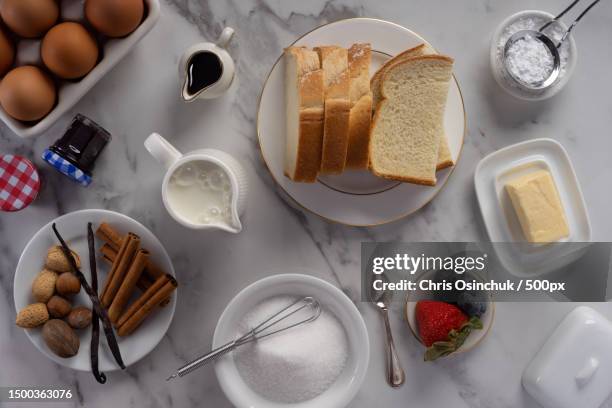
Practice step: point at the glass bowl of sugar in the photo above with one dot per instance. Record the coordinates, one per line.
(529, 61)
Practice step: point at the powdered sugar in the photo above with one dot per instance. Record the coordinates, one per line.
(306, 77)
(296, 365)
(554, 31)
(359, 53)
(536, 62)
(530, 60)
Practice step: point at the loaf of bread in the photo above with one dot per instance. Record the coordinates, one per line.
(304, 103)
(408, 125)
(334, 61)
(445, 159)
(360, 118)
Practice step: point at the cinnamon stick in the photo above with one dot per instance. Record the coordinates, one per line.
(113, 238)
(145, 304)
(151, 270)
(144, 282)
(108, 234)
(126, 252)
(157, 285)
(108, 252)
(127, 285)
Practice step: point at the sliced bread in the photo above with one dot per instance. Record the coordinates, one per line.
(304, 103)
(360, 118)
(376, 80)
(406, 131)
(334, 61)
(445, 159)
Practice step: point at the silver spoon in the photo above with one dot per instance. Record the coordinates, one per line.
(382, 299)
(550, 45)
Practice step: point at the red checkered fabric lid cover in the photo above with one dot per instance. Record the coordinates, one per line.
(19, 182)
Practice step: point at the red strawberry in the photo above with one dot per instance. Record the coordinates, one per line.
(443, 327)
(435, 320)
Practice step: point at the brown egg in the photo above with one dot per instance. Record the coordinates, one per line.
(114, 18)
(7, 53)
(69, 51)
(29, 18)
(27, 93)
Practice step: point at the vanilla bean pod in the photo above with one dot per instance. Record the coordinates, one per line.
(95, 322)
(97, 306)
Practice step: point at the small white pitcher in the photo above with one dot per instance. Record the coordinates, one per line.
(219, 87)
(171, 159)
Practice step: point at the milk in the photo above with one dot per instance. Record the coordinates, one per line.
(200, 192)
(204, 189)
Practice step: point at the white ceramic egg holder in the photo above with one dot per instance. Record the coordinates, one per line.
(69, 93)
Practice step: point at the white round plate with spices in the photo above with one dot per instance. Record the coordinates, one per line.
(354, 198)
(73, 228)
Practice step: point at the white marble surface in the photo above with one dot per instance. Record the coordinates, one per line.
(141, 95)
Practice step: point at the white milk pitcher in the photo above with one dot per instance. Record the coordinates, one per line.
(203, 189)
(206, 69)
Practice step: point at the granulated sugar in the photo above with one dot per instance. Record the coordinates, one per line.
(296, 365)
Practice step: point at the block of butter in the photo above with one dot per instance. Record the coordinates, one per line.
(537, 204)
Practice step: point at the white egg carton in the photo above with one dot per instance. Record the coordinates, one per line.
(69, 93)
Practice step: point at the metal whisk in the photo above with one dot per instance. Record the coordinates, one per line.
(257, 333)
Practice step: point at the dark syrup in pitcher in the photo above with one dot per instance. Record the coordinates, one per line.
(203, 70)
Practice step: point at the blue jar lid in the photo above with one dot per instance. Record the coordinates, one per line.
(65, 167)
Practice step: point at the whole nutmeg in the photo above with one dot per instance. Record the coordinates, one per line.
(56, 261)
(43, 286)
(58, 307)
(67, 284)
(32, 316)
(79, 318)
(60, 338)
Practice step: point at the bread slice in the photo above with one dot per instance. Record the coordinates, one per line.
(445, 159)
(304, 103)
(376, 80)
(334, 61)
(360, 118)
(406, 131)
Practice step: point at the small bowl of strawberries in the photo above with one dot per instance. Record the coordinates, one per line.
(445, 319)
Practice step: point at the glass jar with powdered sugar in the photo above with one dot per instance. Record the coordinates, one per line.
(530, 60)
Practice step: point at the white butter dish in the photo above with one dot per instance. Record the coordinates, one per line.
(574, 367)
(501, 222)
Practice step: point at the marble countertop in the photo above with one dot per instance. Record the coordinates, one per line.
(141, 95)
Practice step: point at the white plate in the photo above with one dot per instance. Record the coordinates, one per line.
(356, 197)
(348, 383)
(501, 222)
(73, 227)
(69, 93)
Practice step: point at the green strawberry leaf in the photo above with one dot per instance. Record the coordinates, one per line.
(455, 340)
